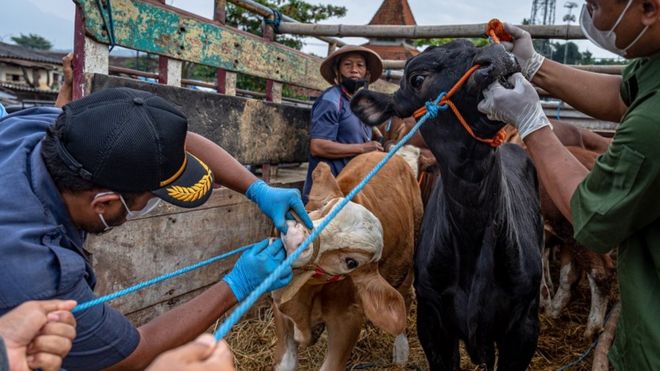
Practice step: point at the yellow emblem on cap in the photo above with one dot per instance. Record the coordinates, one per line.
(194, 192)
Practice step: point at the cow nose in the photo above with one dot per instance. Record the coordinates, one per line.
(296, 234)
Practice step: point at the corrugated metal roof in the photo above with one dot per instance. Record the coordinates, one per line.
(27, 54)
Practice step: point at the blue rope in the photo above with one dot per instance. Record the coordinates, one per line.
(558, 113)
(245, 305)
(432, 108)
(277, 20)
(111, 29)
(156, 280)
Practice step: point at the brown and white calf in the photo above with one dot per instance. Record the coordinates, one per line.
(363, 267)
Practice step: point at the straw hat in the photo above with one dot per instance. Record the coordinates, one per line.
(374, 63)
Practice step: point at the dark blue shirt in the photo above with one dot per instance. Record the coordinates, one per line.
(332, 119)
(41, 250)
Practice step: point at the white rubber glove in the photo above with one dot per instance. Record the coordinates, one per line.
(522, 47)
(519, 106)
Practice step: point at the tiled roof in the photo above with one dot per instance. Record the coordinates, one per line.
(23, 87)
(394, 12)
(27, 54)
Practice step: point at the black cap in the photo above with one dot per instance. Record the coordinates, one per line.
(130, 140)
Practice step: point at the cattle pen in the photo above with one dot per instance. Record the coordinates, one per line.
(268, 132)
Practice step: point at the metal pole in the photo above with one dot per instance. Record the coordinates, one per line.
(265, 11)
(422, 32)
(390, 64)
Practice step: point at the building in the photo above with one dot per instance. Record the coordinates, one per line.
(29, 74)
(393, 12)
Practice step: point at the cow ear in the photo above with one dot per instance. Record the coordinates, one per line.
(371, 107)
(382, 304)
(324, 187)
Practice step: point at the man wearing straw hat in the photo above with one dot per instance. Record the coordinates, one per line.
(617, 203)
(336, 134)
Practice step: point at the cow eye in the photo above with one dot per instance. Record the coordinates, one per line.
(351, 263)
(417, 81)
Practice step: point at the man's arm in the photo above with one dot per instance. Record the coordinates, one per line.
(185, 322)
(66, 91)
(226, 169)
(333, 150)
(595, 94)
(558, 170)
(178, 326)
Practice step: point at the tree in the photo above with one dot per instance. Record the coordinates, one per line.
(32, 41)
(296, 9)
(569, 50)
(243, 20)
(479, 42)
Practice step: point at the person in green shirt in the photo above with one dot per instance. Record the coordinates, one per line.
(617, 203)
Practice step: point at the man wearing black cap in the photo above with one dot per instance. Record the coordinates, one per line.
(86, 169)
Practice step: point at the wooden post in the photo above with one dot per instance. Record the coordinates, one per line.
(78, 55)
(173, 69)
(162, 65)
(331, 48)
(273, 88)
(273, 94)
(90, 57)
(225, 80)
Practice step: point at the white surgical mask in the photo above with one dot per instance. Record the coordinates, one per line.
(606, 39)
(132, 214)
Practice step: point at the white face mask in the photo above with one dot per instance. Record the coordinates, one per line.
(606, 39)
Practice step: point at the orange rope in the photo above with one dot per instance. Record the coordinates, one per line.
(497, 140)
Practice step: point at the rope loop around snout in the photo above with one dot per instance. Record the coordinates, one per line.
(434, 107)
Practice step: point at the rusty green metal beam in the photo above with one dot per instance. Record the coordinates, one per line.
(167, 31)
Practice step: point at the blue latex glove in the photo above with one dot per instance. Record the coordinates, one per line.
(255, 265)
(276, 203)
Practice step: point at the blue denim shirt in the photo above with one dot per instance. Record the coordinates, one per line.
(332, 119)
(41, 250)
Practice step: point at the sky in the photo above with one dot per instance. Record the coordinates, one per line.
(53, 19)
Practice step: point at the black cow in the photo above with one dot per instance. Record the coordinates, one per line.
(478, 263)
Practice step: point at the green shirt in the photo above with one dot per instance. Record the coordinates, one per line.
(618, 204)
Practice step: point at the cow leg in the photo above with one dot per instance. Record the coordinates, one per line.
(600, 280)
(286, 350)
(568, 275)
(517, 347)
(343, 326)
(440, 346)
(401, 349)
(546, 281)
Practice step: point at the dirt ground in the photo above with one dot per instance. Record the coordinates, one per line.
(560, 343)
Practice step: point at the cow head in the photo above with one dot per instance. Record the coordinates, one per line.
(350, 247)
(436, 70)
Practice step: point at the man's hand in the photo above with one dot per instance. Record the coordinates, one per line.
(277, 202)
(38, 334)
(202, 354)
(255, 265)
(519, 106)
(522, 47)
(66, 90)
(371, 146)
